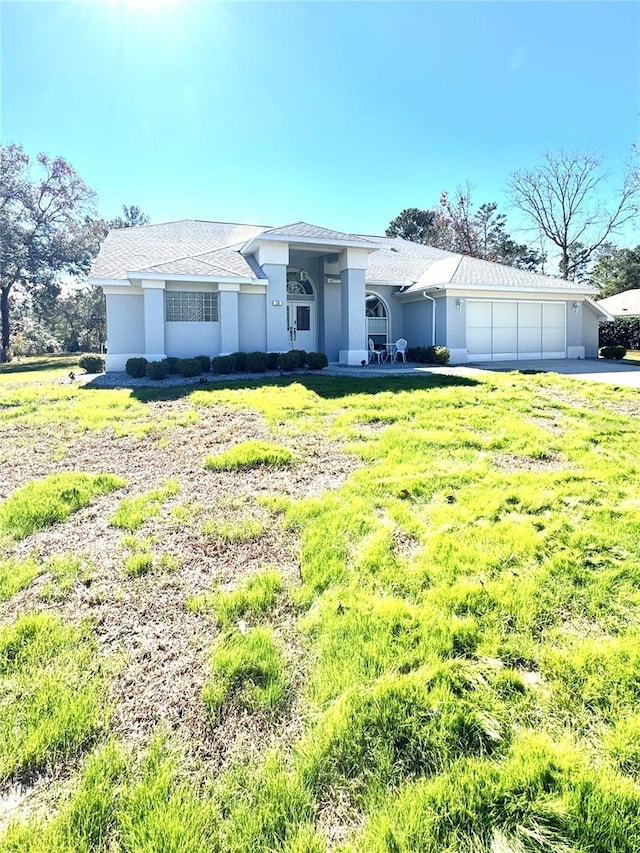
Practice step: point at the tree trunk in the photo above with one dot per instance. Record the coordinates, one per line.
(5, 338)
(564, 264)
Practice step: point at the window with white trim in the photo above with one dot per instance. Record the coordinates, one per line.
(185, 306)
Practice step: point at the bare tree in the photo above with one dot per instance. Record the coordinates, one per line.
(563, 197)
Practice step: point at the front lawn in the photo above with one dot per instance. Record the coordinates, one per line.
(422, 634)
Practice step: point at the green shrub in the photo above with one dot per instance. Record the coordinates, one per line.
(438, 355)
(317, 360)
(172, 362)
(302, 356)
(622, 331)
(224, 364)
(273, 360)
(240, 360)
(428, 355)
(613, 351)
(92, 363)
(157, 370)
(289, 360)
(257, 362)
(189, 367)
(136, 367)
(205, 362)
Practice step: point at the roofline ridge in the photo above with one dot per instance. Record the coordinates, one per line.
(176, 221)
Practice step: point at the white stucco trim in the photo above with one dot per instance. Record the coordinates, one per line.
(138, 275)
(353, 357)
(353, 259)
(380, 283)
(462, 289)
(109, 282)
(575, 352)
(458, 356)
(249, 247)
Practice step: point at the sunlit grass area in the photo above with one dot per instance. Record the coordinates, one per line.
(249, 454)
(453, 669)
(51, 500)
(53, 693)
(133, 512)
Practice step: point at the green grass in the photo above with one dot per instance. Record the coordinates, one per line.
(16, 575)
(53, 693)
(52, 500)
(250, 668)
(133, 512)
(465, 627)
(250, 454)
(230, 532)
(251, 600)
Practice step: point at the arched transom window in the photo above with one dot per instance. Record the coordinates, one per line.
(299, 283)
(377, 319)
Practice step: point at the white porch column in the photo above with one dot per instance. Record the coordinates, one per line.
(273, 257)
(153, 293)
(229, 321)
(353, 340)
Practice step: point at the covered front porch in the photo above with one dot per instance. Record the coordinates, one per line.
(316, 294)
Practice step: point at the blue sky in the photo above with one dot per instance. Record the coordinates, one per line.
(336, 113)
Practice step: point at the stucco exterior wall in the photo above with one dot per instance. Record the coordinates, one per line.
(252, 322)
(184, 340)
(125, 322)
(332, 309)
(417, 323)
(590, 331)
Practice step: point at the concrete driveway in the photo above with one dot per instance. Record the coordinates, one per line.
(592, 370)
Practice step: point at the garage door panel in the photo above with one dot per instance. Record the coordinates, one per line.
(504, 342)
(479, 341)
(529, 315)
(553, 315)
(505, 314)
(529, 341)
(515, 330)
(479, 315)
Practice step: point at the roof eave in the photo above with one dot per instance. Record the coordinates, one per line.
(141, 275)
(599, 309)
(311, 242)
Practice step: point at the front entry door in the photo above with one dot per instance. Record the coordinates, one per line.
(300, 323)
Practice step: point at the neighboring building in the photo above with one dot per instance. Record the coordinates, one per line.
(625, 304)
(191, 287)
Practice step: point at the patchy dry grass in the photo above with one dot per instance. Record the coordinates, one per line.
(425, 630)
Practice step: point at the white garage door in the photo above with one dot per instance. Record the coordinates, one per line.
(515, 330)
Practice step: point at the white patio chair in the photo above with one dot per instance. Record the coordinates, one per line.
(374, 354)
(400, 350)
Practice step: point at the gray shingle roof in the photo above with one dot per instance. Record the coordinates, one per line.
(400, 260)
(477, 271)
(129, 249)
(195, 247)
(225, 262)
(304, 229)
(625, 304)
